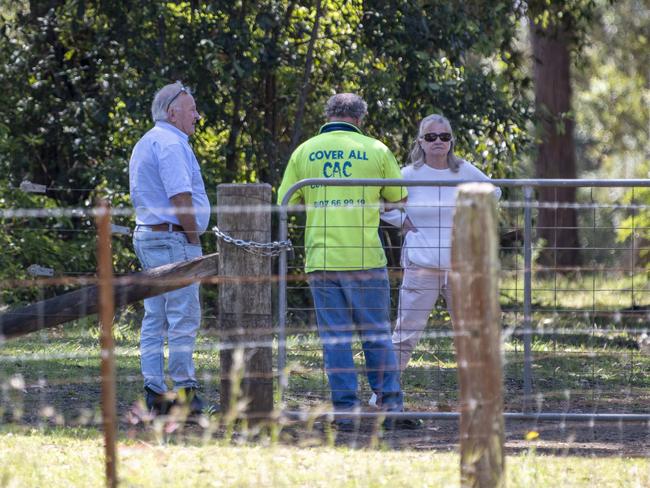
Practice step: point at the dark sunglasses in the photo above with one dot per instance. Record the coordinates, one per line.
(432, 136)
(182, 90)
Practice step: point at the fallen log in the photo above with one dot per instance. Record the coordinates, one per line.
(84, 301)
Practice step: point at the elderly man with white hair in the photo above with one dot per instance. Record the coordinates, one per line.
(172, 210)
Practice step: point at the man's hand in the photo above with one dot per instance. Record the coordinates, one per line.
(185, 213)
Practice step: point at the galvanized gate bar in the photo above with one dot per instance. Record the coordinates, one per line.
(528, 264)
(282, 305)
(555, 416)
(614, 183)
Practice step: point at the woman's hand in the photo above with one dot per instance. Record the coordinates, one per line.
(407, 226)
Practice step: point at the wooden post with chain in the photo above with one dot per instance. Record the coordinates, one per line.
(245, 317)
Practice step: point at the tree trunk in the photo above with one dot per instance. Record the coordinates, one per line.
(304, 91)
(236, 121)
(556, 156)
(268, 172)
(272, 173)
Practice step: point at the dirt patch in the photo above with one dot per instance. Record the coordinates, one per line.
(553, 438)
(78, 405)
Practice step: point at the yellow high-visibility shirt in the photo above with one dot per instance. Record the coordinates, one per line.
(342, 222)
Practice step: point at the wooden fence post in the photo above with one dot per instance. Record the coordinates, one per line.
(245, 317)
(477, 336)
(106, 312)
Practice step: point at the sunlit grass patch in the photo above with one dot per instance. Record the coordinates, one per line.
(599, 290)
(65, 457)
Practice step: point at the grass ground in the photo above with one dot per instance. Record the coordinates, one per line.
(51, 379)
(73, 457)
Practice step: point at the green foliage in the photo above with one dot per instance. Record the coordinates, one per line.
(572, 18)
(79, 76)
(58, 82)
(54, 237)
(612, 107)
(455, 58)
(65, 244)
(613, 92)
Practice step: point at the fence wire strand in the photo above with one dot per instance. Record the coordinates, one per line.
(587, 321)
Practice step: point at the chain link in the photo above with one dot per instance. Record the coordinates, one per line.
(260, 248)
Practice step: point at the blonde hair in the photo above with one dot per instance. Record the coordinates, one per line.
(416, 156)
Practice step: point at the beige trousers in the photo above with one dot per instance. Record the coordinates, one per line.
(417, 296)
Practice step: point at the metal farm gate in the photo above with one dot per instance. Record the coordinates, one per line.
(573, 336)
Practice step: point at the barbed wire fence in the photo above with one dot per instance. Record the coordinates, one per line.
(574, 340)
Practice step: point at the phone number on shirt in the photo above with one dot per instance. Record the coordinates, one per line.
(348, 202)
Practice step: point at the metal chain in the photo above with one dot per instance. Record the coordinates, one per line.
(260, 248)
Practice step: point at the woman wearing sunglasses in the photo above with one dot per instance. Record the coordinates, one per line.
(426, 226)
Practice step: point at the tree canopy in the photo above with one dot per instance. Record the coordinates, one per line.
(78, 77)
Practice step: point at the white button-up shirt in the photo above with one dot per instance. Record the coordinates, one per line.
(163, 165)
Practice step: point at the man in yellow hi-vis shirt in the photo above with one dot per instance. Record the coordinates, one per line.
(345, 260)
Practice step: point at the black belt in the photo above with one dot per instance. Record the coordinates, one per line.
(164, 227)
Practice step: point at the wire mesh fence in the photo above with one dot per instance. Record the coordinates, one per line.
(573, 333)
(574, 298)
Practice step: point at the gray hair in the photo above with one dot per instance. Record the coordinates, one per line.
(165, 98)
(417, 153)
(346, 105)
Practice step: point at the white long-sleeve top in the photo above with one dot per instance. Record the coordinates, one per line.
(431, 210)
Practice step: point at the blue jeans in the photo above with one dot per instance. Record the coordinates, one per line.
(175, 314)
(346, 301)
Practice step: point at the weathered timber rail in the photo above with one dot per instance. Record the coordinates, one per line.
(84, 301)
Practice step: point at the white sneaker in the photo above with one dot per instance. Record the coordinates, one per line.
(373, 400)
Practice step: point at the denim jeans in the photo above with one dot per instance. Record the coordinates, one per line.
(175, 314)
(346, 301)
